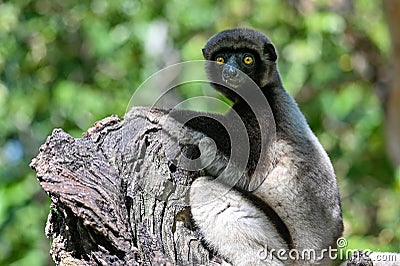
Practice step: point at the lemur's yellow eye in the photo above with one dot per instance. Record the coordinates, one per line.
(248, 60)
(220, 60)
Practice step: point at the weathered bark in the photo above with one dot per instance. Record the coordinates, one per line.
(117, 198)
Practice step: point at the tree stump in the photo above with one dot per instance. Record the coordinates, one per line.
(118, 194)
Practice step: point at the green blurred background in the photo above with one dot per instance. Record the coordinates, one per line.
(67, 64)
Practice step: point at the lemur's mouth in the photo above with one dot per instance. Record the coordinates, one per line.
(231, 82)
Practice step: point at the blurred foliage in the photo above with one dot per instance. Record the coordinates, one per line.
(66, 64)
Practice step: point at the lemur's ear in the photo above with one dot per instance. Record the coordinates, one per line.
(269, 50)
(204, 52)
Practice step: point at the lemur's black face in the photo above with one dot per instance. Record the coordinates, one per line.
(234, 70)
(242, 57)
(232, 63)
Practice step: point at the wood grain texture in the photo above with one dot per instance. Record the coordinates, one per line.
(117, 198)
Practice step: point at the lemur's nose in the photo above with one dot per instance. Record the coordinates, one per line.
(230, 72)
